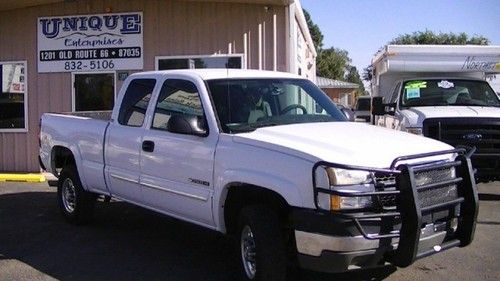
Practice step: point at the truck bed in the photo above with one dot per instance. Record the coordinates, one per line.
(83, 133)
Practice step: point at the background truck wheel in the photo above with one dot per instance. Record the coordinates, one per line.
(76, 204)
(261, 245)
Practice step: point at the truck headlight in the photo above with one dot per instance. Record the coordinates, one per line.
(339, 176)
(343, 181)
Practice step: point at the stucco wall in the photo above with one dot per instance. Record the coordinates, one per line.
(170, 28)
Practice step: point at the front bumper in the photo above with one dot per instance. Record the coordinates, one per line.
(413, 229)
(343, 248)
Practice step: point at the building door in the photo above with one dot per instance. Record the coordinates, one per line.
(93, 91)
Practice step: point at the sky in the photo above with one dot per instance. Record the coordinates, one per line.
(361, 27)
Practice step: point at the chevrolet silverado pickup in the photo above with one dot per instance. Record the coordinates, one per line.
(268, 158)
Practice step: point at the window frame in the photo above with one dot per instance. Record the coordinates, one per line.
(26, 115)
(153, 93)
(156, 101)
(238, 55)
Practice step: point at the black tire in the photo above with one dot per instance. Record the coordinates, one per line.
(266, 239)
(75, 203)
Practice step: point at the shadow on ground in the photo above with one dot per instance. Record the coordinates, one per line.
(123, 243)
(489, 197)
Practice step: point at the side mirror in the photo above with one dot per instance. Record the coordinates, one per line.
(378, 107)
(390, 108)
(187, 125)
(381, 108)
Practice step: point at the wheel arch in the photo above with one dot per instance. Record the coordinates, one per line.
(237, 195)
(60, 157)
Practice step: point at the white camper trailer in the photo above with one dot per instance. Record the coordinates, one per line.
(439, 91)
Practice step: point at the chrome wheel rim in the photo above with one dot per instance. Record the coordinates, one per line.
(248, 253)
(68, 195)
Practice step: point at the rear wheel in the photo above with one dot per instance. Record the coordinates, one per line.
(75, 203)
(262, 248)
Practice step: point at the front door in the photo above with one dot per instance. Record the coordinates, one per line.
(93, 91)
(177, 169)
(124, 140)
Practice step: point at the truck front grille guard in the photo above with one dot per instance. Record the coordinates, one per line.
(409, 208)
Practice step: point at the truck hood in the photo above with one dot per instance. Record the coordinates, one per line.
(415, 116)
(346, 143)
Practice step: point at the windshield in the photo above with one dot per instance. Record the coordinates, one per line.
(363, 104)
(436, 92)
(243, 105)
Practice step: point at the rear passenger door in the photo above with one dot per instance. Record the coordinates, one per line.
(177, 169)
(124, 140)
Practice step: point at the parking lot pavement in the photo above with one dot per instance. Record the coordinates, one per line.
(129, 243)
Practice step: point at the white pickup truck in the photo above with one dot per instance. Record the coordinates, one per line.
(265, 156)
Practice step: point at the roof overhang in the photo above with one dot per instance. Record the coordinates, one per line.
(261, 2)
(20, 4)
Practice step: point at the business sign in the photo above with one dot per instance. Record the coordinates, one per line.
(90, 42)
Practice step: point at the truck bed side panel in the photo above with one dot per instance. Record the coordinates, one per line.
(84, 137)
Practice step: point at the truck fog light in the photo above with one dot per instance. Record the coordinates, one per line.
(339, 203)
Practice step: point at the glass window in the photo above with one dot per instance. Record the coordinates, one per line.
(218, 61)
(177, 97)
(94, 92)
(135, 102)
(244, 105)
(363, 104)
(455, 92)
(13, 97)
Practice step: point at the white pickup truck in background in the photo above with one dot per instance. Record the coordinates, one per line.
(439, 91)
(246, 153)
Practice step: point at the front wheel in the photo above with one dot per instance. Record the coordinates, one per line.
(262, 248)
(75, 203)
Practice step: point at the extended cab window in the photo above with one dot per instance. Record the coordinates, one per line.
(135, 102)
(177, 97)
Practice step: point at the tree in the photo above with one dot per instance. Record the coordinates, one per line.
(315, 32)
(428, 37)
(368, 73)
(353, 77)
(332, 63)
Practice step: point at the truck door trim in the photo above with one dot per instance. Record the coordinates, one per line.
(175, 192)
(124, 178)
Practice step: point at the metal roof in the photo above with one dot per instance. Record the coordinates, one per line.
(328, 83)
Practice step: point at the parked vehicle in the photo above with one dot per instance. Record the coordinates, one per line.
(362, 109)
(440, 92)
(246, 153)
(348, 112)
